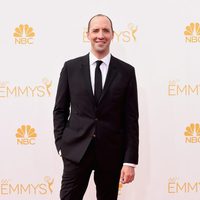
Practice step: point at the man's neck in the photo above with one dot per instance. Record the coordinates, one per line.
(100, 55)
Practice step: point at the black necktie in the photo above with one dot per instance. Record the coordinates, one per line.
(98, 81)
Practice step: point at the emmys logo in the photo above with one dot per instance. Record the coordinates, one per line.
(192, 133)
(42, 188)
(192, 33)
(40, 90)
(124, 36)
(24, 34)
(175, 186)
(26, 135)
(177, 89)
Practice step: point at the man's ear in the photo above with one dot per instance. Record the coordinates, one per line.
(88, 35)
(113, 34)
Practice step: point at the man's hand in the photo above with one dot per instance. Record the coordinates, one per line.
(127, 174)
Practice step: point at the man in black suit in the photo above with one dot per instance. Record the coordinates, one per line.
(96, 118)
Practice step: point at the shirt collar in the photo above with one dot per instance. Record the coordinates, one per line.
(93, 59)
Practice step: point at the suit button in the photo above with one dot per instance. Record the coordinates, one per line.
(93, 135)
(96, 119)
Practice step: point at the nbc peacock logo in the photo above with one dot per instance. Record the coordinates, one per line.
(192, 133)
(192, 33)
(26, 135)
(24, 34)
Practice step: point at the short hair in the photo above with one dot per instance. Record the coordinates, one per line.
(100, 15)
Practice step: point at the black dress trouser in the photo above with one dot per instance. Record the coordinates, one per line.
(76, 177)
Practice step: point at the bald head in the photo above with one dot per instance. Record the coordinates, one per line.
(100, 15)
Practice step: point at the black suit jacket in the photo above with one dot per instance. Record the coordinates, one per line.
(114, 120)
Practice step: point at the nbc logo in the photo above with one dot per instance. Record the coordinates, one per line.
(192, 133)
(26, 135)
(192, 33)
(24, 34)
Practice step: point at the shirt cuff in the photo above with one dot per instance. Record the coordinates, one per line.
(130, 164)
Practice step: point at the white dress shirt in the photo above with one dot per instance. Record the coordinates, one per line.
(104, 70)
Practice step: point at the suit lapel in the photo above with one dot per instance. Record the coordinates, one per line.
(112, 71)
(85, 67)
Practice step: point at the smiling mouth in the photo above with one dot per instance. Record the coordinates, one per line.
(100, 42)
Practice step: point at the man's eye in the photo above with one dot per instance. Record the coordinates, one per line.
(106, 30)
(95, 30)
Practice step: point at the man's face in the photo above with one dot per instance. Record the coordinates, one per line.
(100, 35)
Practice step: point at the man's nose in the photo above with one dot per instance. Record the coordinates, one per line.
(100, 34)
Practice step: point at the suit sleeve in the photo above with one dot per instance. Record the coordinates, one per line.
(131, 121)
(61, 108)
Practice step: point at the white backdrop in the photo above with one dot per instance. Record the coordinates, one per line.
(150, 35)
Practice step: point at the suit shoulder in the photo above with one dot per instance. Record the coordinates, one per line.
(76, 60)
(74, 63)
(124, 66)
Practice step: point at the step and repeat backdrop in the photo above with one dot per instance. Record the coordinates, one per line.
(161, 39)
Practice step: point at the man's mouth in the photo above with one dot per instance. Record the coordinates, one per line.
(100, 42)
